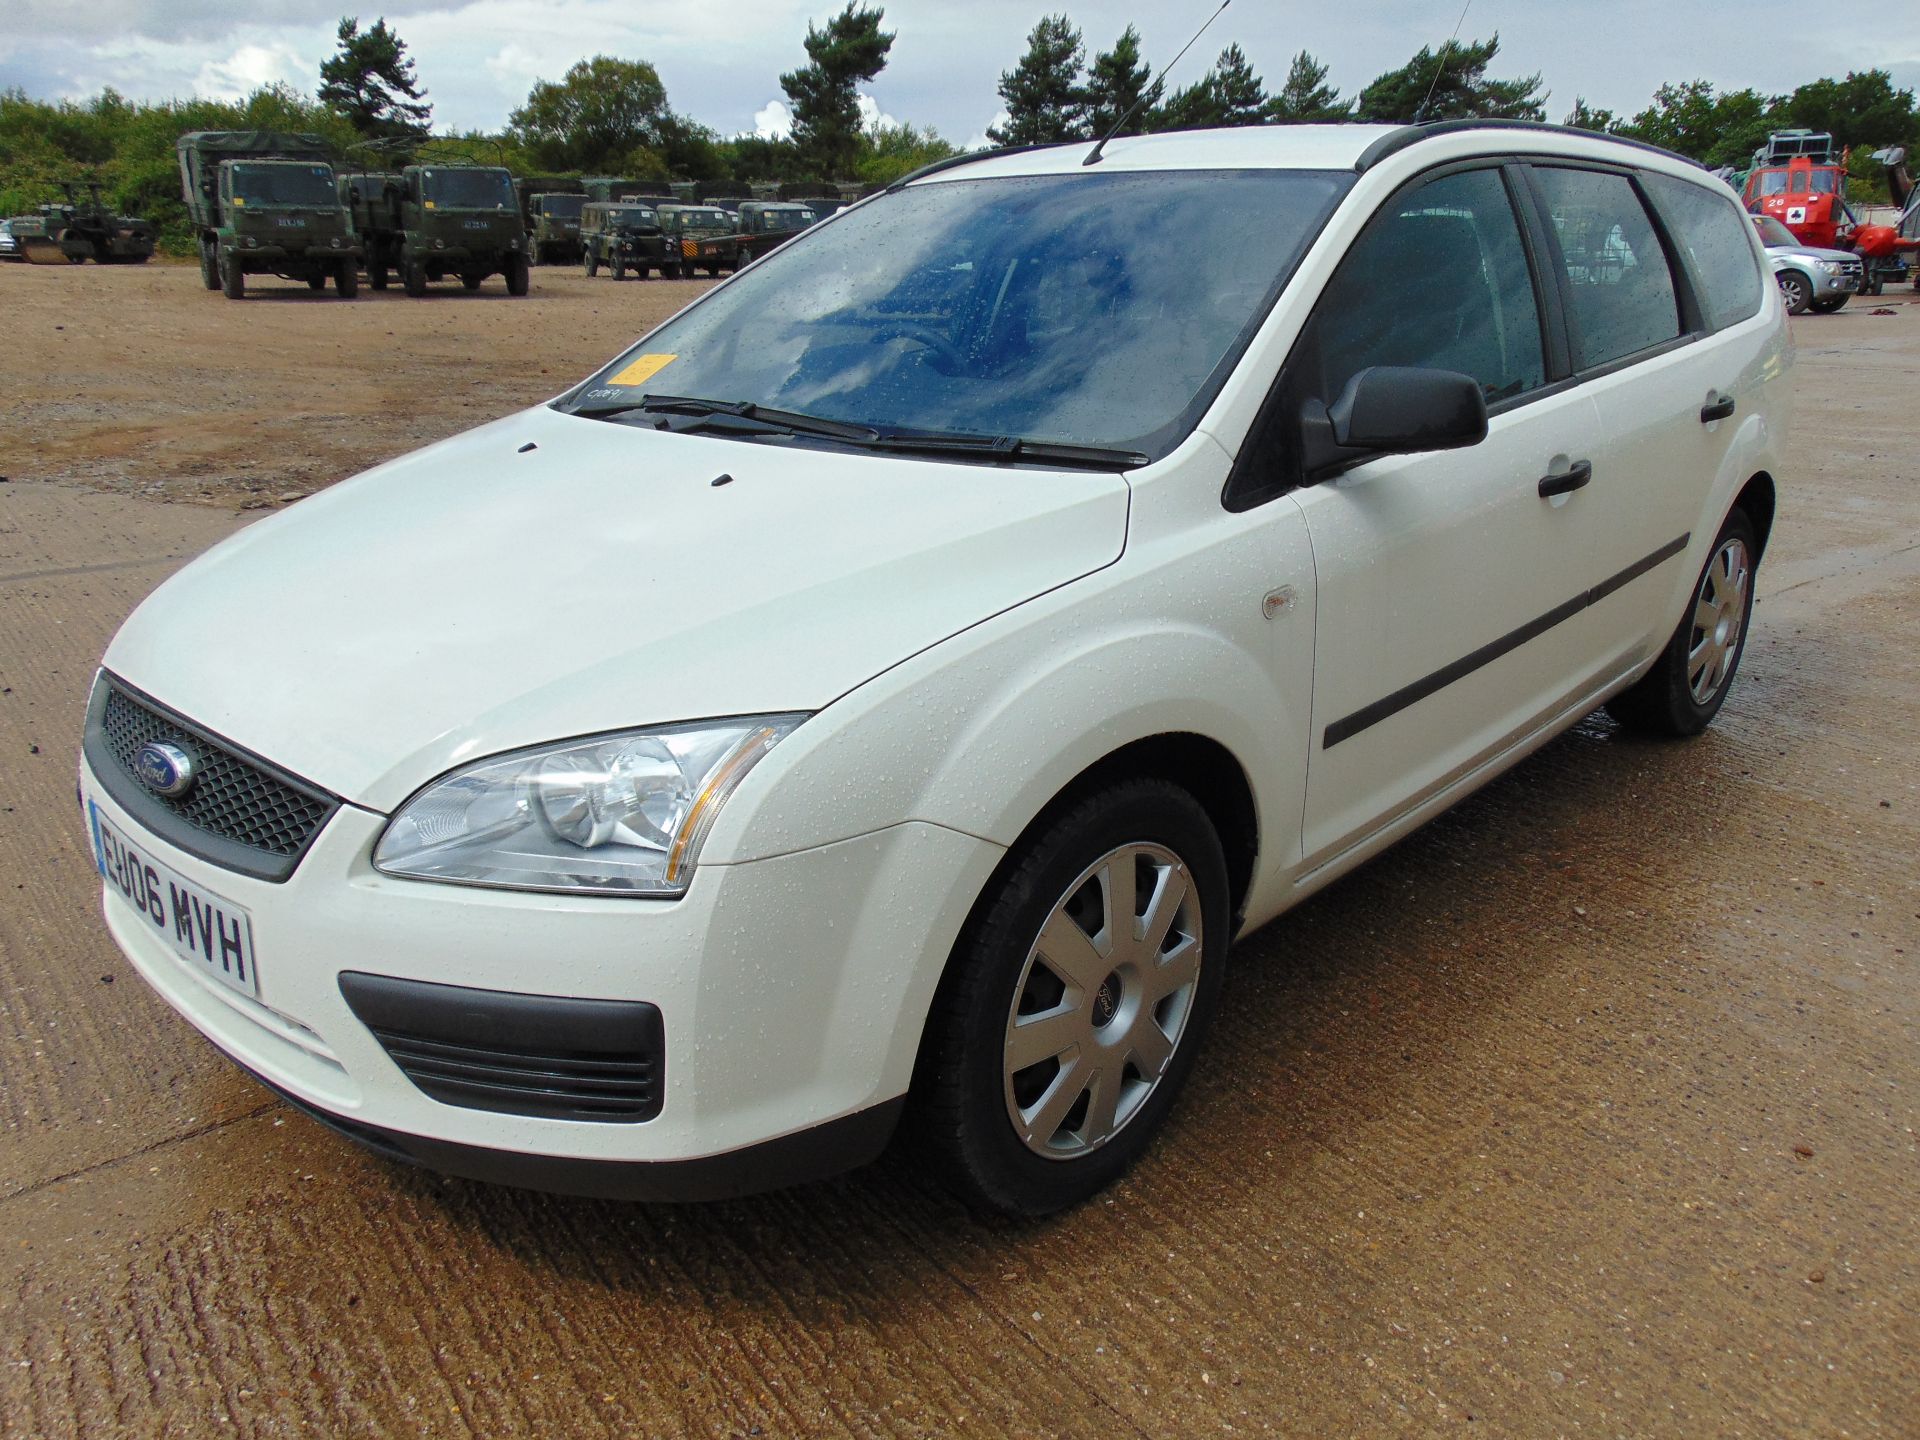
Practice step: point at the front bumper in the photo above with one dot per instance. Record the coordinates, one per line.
(791, 993)
(267, 255)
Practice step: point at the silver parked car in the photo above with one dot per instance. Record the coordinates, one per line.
(1809, 278)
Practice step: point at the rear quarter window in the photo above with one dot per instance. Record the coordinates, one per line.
(1620, 292)
(1712, 230)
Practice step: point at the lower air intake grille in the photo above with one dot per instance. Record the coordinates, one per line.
(540, 1055)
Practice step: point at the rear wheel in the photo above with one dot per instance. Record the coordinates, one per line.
(346, 280)
(233, 280)
(590, 264)
(377, 276)
(1795, 290)
(1689, 682)
(1076, 999)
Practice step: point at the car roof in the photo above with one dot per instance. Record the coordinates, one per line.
(1353, 147)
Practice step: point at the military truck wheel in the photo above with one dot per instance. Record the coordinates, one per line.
(233, 280)
(377, 276)
(209, 265)
(619, 269)
(414, 276)
(471, 279)
(346, 280)
(590, 263)
(517, 275)
(317, 281)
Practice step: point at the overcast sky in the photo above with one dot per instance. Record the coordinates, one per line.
(721, 59)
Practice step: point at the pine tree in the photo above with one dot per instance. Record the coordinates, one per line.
(1306, 98)
(1116, 83)
(1451, 85)
(826, 106)
(371, 82)
(1045, 100)
(1228, 94)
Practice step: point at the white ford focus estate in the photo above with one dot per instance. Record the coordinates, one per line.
(888, 689)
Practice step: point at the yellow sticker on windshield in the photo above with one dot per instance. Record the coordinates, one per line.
(430, 205)
(642, 370)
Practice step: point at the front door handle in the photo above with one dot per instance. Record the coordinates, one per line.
(1562, 482)
(1718, 407)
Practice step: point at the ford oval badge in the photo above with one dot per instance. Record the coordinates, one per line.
(164, 769)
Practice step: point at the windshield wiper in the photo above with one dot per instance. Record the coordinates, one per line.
(791, 422)
(1006, 447)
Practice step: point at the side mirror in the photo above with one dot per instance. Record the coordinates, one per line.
(1394, 410)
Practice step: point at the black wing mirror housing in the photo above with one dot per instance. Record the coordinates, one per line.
(1394, 410)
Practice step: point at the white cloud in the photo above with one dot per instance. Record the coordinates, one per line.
(773, 120)
(871, 114)
(250, 67)
(980, 141)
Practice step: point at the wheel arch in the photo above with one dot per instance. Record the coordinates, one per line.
(1757, 499)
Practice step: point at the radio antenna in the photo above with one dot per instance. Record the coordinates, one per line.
(1093, 158)
(1440, 68)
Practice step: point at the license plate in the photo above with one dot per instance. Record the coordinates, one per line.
(209, 933)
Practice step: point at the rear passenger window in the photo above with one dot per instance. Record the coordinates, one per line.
(1619, 289)
(1713, 232)
(1439, 279)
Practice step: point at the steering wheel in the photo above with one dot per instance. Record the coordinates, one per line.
(951, 358)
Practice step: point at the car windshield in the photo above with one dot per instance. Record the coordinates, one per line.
(1772, 232)
(705, 219)
(562, 207)
(310, 185)
(1092, 309)
(631, 215)
(469, 189)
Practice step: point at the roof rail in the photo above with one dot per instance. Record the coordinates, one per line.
(972, 155)
(1413, 134)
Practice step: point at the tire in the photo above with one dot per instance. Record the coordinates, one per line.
(1687, 685)
(209, 265)
(1828, 304)
(413, 276)
(317, 282)
(516, 275)
(591, 264)
(233, 280)
(619, 269)
(1030, 1140)
(346, 280)
(377, 276)
(471, 279)
(1796, 290)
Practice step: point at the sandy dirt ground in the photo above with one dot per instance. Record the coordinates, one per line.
(1589, 1110)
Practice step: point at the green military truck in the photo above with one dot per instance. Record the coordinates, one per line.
(619, 187)
(767, 225)
(433, 222)
(264, 203)
(554, 230)
(87, 229)
(624, 236)
(702, 235)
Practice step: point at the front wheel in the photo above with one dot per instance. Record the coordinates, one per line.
(590, 263)
(1076, 999)
(209, 265)
(233, 280)
(516, 275)
(1689, 682)
(346, 280)
(1795, 291)
(377, 276)
(414, 278)
(1829, 304)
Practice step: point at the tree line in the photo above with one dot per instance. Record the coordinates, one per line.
(611, 115)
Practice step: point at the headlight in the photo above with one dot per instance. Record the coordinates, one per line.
(622, 814)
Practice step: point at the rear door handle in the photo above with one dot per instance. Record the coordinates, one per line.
(1562, 482)
(1719, 407)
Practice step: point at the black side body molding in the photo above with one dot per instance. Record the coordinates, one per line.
(1368, 716)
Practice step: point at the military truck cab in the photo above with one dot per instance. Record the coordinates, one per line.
(267, 204)
(435, 222)
(695, 231)
(624, 236)
(555, 235)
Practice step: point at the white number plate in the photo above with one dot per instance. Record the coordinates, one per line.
(211, 934)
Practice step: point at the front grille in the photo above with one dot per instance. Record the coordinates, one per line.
(240, 812)
(542, 1055)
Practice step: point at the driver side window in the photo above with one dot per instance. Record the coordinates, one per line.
(1439, 279)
